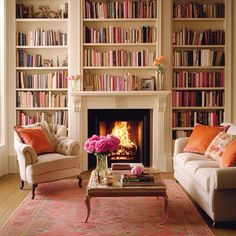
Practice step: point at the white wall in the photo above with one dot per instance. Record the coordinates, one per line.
(3, 140)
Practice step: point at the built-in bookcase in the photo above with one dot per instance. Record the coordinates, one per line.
(41, 61)
(200, 66)
(120, 42)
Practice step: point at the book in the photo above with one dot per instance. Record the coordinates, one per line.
(121, 167)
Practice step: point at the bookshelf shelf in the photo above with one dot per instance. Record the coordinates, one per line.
(182, 128)
(42, 89)
(118, 67)
(198, 67)
(41, 50)
(141, 20)
(198, 88)
(41, 108)
(42, 68)
(42, 47)
(199, 19)
(198, 46)
(117, 44)
(47, 20)
(198, 108)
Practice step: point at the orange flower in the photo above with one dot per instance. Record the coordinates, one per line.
(158, 60)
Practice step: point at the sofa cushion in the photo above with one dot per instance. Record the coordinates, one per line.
(218, 145)
(182, 158)
(53, 162)
(203, 176)
(228, 159)
(201, 137)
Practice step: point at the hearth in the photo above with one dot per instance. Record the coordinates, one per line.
(132, 126)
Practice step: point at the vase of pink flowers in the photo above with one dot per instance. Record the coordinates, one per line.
(74, 82)
(102, 146)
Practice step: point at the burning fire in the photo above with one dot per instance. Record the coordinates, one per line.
(121, 130)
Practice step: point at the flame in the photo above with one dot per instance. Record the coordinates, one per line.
(121, 130)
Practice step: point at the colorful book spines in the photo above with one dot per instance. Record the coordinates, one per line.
(112, 34)
(42, 81)
(190, 118)
(118, 57)
(120, 10)
(198, 98)
(58, 117)
(199, 10)
(186, 79)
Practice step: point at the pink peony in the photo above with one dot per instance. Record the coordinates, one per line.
(137, 170)
(102, 144)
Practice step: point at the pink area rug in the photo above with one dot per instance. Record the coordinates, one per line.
(59, 209)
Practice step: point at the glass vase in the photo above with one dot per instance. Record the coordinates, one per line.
(159, 81)
(101, 167)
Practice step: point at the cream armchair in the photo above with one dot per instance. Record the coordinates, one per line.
(35, 169)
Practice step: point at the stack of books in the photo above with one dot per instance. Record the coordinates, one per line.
(146, 179)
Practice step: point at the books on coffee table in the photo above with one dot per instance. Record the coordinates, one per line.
(146, 179)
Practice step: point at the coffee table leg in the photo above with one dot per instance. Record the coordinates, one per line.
(87, 203)
(165, 204)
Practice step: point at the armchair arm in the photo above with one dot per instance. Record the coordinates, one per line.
(180, 143)
(224, 178)
(68, 147)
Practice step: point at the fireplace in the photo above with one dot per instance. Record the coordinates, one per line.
(132, 126)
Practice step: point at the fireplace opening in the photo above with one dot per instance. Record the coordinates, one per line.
(131, 126)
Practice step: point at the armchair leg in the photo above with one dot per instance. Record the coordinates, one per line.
(34, 186)
(22, 184)
(80, 181)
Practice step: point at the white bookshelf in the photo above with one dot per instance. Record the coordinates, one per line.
(208, 115)
(32, 77)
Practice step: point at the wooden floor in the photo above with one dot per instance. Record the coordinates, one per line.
(11, 196)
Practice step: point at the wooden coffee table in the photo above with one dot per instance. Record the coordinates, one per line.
(94, 189)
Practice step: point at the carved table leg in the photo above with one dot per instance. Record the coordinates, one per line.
(165, 204)
(87, 202)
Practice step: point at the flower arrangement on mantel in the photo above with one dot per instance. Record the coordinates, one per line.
(74, 82)
(102, 146)
(160, 69)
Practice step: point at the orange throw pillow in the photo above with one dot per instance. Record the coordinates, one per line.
(201, 137)
(228, 158)
(36, 138)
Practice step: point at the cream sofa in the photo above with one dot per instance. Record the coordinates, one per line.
(63, 163)
(212, 187)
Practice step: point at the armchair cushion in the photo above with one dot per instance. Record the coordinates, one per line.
(228, 159)
(36, 138)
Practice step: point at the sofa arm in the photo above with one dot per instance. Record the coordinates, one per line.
(225, 178)
(68, 147)
(180, 143)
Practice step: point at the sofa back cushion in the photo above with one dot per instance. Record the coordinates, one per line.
(228, 158)
(218, 145)
(201, 137)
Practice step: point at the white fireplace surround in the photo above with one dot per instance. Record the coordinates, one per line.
(154, 100)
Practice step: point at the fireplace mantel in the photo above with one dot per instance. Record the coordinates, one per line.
(154, 100)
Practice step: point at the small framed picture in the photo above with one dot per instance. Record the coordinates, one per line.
(147, 84)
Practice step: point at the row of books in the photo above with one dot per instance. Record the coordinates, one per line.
(198, 98)
(145, 179)
(203, 57)
(103, 82)
(58, 117)
(57, 79)
(112, 34)
(118, 57)
(25, 59)
(120, 9)
(187, 36)
(40, 99)
(181, 133)
(190, 118)
(187, 79)
(41, 37)
(28, 11)
(199, 10)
